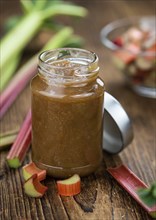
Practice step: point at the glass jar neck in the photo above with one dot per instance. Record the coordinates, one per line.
(68, 66)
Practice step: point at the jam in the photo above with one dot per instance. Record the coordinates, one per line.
(67, 113)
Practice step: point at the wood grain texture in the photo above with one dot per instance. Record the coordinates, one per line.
(101, 197)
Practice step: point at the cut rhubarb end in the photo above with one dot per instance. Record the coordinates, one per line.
(31, 169)
(14, 162)
(21, 144)
(69, 187)
(34, 188)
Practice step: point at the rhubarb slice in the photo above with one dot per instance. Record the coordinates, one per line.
(131, 183)
(70, 186)
(144, 64)
(125, 57)
(21, 144)
(34, 188)
(118, 41)
(134, 35)
(30, 169)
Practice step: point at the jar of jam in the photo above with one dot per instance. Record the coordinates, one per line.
(67, 113)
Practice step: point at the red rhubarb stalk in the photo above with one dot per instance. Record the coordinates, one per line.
(21, 144)
(17, 84)
(131, 183)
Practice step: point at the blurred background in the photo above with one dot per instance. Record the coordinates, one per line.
(100, 13)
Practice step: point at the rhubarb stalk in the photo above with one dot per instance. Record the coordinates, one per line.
(131, 183)
(36, 14)
(21, 144)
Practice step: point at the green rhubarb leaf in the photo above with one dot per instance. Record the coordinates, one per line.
(148, 195)
(14, 163)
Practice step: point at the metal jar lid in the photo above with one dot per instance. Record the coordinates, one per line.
(117, 132)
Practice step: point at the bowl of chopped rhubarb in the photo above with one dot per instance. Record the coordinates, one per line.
(132, 41)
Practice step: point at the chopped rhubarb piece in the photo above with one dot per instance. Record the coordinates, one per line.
(34, 188)
(131, 183)
(70, 186)
(134, 35)
(124, 57)
(118, 41)
(31, 169)
(133, 48)
(144, 64)
(21, 144)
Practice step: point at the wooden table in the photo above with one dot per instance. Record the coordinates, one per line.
(101, 197)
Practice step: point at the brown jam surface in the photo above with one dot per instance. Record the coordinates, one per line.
(67, 127)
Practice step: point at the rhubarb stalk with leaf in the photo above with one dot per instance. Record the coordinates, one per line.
(36, 14)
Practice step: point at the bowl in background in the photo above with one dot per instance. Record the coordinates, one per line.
(132, 41)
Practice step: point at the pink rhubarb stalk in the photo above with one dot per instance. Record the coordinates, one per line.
(17, 84)
(21, 144)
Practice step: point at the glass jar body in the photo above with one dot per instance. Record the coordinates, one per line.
(67, 128)
(67, 113)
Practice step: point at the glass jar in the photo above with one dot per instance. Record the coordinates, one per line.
(67, 113)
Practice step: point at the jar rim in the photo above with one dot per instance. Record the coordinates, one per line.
(44, 53)
(83, 65)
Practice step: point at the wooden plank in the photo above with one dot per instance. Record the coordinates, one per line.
(101, 196)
